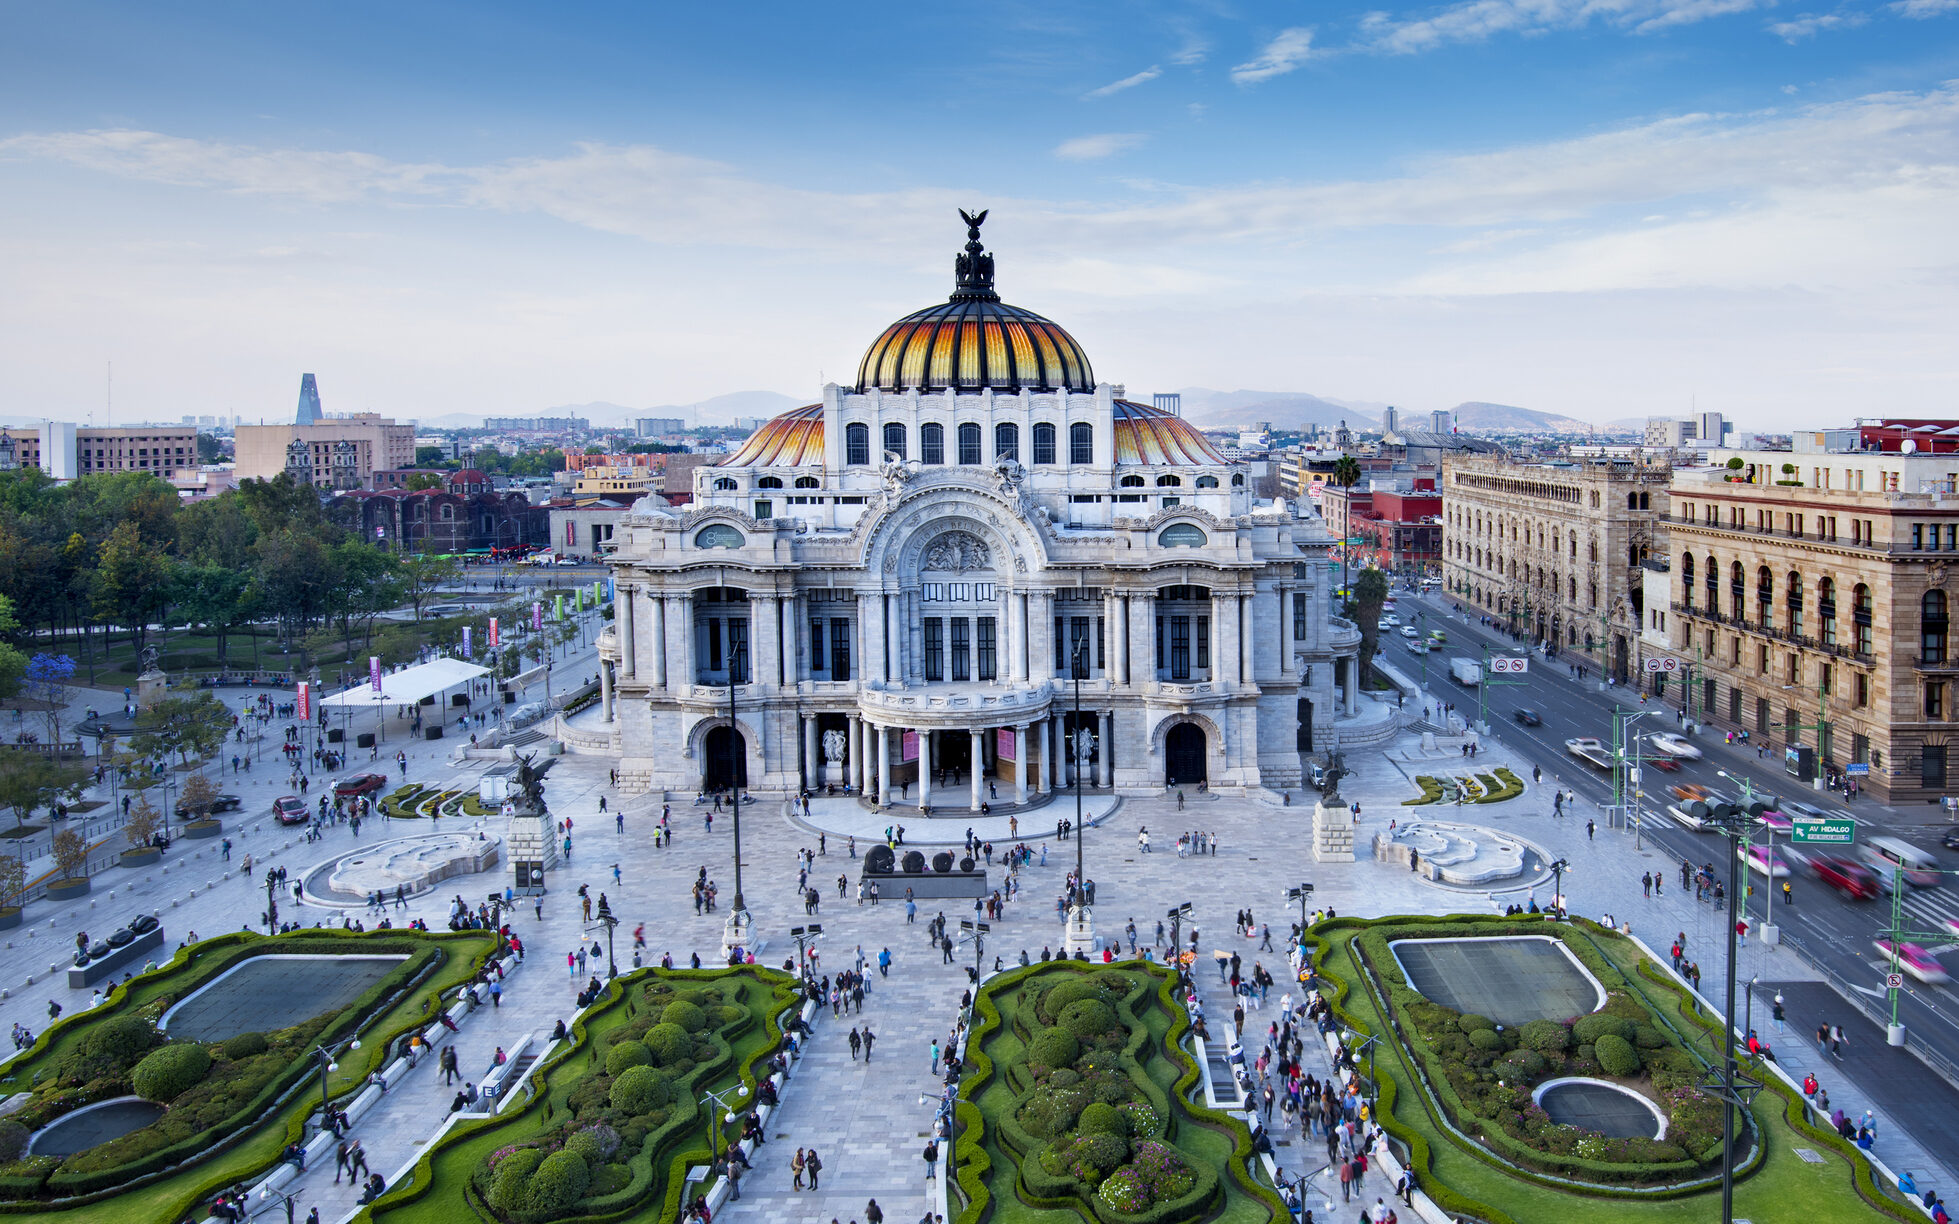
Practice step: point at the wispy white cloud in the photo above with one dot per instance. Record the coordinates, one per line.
(1477, 20)
(1192, 50)
(1922, 9)
(1129, 82)
(1287, 51)
(1094, 148)
(1809, 25)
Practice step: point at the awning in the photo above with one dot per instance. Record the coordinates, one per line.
(409, 685)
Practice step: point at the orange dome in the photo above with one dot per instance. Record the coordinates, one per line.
(791, 440)
(1149, 435)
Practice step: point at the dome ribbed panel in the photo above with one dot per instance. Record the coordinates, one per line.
(970, 344)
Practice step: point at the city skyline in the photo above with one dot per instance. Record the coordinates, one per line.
(1596, 210)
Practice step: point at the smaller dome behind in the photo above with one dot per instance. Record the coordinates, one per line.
(1148, 435)
(792, 439)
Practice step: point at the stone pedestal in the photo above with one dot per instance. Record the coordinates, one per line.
(532, 841)
(151, 686)
(735, 933)
(1078, 932)
(1333, 833)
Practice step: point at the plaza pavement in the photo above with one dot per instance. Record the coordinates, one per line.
(867, 1121)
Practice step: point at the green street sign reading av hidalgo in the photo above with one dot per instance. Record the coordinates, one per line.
(1823, 832)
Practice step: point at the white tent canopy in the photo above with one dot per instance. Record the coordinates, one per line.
(409, 685)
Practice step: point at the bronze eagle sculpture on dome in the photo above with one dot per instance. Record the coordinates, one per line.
(973, 222)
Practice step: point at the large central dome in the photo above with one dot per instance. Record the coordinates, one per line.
(974, 340)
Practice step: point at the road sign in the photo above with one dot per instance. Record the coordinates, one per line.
(1894, 981)
(1505, 663)
(1662, 664)
(1857, 771)
(1823, 832)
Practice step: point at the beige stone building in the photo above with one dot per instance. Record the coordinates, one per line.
(1812, 607)
(1554, 549)
(66, 451)
(375, 443)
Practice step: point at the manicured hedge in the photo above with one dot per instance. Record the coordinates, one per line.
(1431, 791)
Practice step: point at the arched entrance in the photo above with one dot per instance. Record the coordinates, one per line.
(726, 759)
(1184, 755)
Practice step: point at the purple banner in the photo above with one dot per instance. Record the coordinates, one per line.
(1003, 744)
(374, 672)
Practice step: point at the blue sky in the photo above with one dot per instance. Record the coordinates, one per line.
(1606, 209)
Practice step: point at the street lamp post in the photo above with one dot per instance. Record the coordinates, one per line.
(1080, 935)
(1178, 915)
(291, 1200)
(1301, 894)
(324, 1058)
(721, 1105)
(1558, 868)
(975, 931)
(1367, 1045)
(271, 902)
(736, 934)
(805, 937)
(609, 921)
(1729, 1087)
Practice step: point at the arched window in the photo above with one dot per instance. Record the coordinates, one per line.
(1860, 614)
(1081, 442)
(1737, 585)
(808, 482)
(769, 482)
(1932, 623)
(1207, 482)
(448, 512)
(1169, 482)
(1182, 535)
(894, 440)
(1765, 597)
(1632, 501)
(1713, 580)
(1794, 598)
(719, 535)
(1043, 443)
(969, 445)
(1132, 482)
(1006, 441)
(1826, 611)
(857, 443)
(1237, 480)
(931, 444)
(1687, 579)
(724, 485)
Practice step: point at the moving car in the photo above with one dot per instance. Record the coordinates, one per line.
(1530, 718)
(1773, 864)
(1590, 749)
(1418, 648)
(1383, 627)
(1951, 839)
(359, 784)
(1674, 745)
(1851, 878)
(1437, 636)
(1886, 855)
(223, 803)
(1776, 821)
(290, 810)
(1408, 631)
(1394, 620)
(1685, 791)
(1915, 961)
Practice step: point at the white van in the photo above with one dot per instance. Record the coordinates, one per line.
(1886, 854)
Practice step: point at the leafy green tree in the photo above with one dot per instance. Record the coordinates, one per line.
(132, 583)
(430, 456)
(423, 480)
(214, 597)
(29, 780)
(367, 582)
(1370, 593)
(422, 574)
(13, 664)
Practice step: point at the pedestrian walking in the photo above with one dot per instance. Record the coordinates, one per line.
(814, 1167)
(1591, 828)
(856, 1044)
(869, 1039)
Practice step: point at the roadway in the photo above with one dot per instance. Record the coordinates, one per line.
(1830, 931)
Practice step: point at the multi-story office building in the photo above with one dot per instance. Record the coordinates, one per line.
(65, 451)
(339, 452)
(1554, 549)
(1811, 597)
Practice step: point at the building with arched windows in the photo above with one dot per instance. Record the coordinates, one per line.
(900, 586)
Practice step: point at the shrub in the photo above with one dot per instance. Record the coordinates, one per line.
(1088, 1018)
(1544, 1036)
(1616, 1055)
(560, 1181)
(110, 1047)
(1520, 1065)
(1075, 989)
(1647, 1037)
(687, 1015)
(1055, 1047)
(510, 1185)
(1590, 1028)
(669, 1043)
(625, 1056)
(594, 1144)
(1103, 1119)
(640, 1090)
(1087, 1157)
(13, 1140)
(244, 1045)
(1471, 1022)
(168, 1073)
(1485, 1039)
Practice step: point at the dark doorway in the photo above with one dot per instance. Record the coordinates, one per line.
(727, 759)
(1304, 741)
(953, 757)
(1184, 752)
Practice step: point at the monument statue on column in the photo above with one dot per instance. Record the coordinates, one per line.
(532, 836)
(1333, 820)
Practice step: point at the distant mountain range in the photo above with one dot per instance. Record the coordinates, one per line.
(720, 410)
(1302, 410)
(1475, 415)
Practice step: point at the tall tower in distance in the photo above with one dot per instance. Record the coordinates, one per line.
(309, 401)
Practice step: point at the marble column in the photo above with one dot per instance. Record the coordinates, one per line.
(1353, 685)
(883, 765)
(605, 688)
(684, 613)
(1118, 669)
(924, 768)
(978, 758)
(1020, 763)
(1106, 751)
(1048, 738)
(812, 757)
(1021, 647)
(1142, 636)
(764, 639)
(1247, 640)
(1285, 633)
(877, 664)
(623, 609)
(659, 639)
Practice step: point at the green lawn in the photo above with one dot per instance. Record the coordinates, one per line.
(1203, 1136)
(173, 1197)
(439, 1190)
(1784, 1187)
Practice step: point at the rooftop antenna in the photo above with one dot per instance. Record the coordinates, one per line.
(109, 396)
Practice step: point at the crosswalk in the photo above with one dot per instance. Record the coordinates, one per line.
(1933, 908)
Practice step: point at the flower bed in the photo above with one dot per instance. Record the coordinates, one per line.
(1431, 791)
(1082, 1088)
(616, 1121)
(1504, 784)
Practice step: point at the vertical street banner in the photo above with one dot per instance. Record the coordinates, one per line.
(909, 750)
(469, 646)
(558, 609)
(537, 615)
(597, 589)
(305, 700)
(494, 641)
(1003, 743)
(374, 672)
(611, 590)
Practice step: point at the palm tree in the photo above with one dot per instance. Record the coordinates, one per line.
(1346, 474)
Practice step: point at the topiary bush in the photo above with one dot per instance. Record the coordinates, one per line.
(560, 1181)
(1485, 1039)
(511, 1179)
(13, 1140)
(1520, 1066)
(1471, 1022)
(1616, 1055)
(109, 1048)
(1087, 1018)
(640, 1090)
(1648, 1037)
(685, 1014)
(1544, 1036)
(1590, 1028)
(669, 1043)
(1073, 990)
(625, 1056)
(167, 1073)
(1103, 1119)
(1055, 1047)
(245, 1045)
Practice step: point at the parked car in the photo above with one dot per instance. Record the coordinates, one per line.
(290, 810)
(223, 803)
(359, 784)
(1915, 961)
(1674, 745)
(1847, 876)
(1530, 718)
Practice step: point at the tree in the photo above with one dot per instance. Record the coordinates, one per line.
(200, 795)
(183, 725)
(70, 853)
(1346, 471)
(1370, 592)
(13, 664)
(367, 582)
(422, 574)
(48, 676)
(132, 583)
(13, 878)
(145, 822)
(422, 480)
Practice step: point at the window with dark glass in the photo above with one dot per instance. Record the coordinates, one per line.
(1180, 648)
(840, 648)
(1931, 769)
(1932, 627)
(986, 665)
(961, 649)
(712, 629)
(816, 646)
(894, 440)
(738, 652)
(931, 444)
(1299, 618)
(934, 648)
(1078, 656)
(1203, 641)
(1100, 661)
(1081, 442)
(969, 445)
(1044, 444)
(1060, 645)
(857, 443)
(1006, 441)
